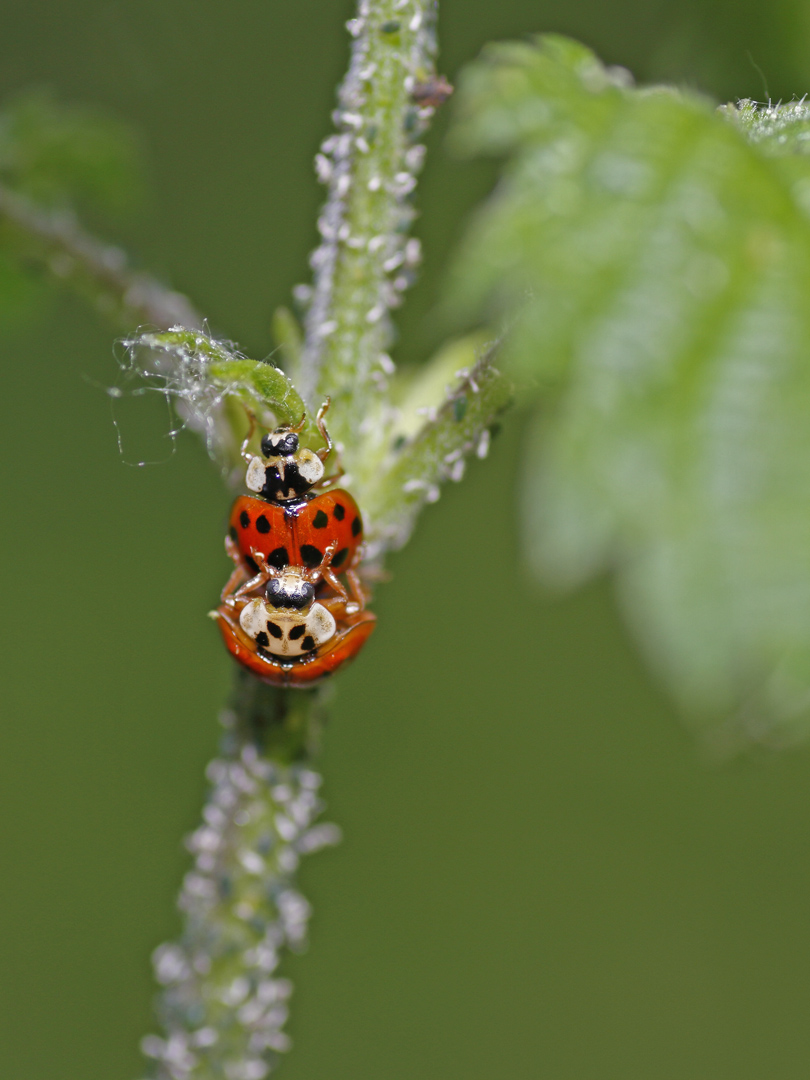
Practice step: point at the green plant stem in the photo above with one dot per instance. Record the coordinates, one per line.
(223, 1009)
(365, 260)
(53, 241)
(461, 425)
(223, 1005)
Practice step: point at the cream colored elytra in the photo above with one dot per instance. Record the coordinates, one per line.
(285, 631)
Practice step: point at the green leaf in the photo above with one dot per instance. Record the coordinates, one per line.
(651, 261)
(215, 384)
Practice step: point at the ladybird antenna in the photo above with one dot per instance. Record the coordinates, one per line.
(300, 425)
(251, 429)
(324, 409)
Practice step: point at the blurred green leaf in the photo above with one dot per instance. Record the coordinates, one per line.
(651, 261)
(60, 154)
(54, 160)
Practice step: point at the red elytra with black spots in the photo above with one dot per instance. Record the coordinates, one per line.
(297, 534)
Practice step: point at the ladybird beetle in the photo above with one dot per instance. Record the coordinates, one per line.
(288, 636)
(288, 544)
(288, 524)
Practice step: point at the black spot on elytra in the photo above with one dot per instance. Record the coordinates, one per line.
(262, 639)
(357, 527)
(320, 521)
(253, 566)
(278, 557)
(308, 643)
(339, 511)
(297, 632)
(244, 520)
(262, 524)
(339, 557)
(275, 630)
(233, 534)
(311, 556)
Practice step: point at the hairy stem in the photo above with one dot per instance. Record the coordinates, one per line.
(365, 260)
(53, 241)
(223, 1006)
(412, 475)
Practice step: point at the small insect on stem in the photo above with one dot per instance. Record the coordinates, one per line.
(432, 93)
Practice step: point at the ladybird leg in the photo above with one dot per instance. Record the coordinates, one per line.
(238, 584)
(327, 450)
(332, 479)
(243, 449)
(239, 573)
(225, 615)
(259, 580)
(335, 605)
(234, 582)
(299, 427)
(328, 574)
(324, 571)
(360, 593)
(356, 587)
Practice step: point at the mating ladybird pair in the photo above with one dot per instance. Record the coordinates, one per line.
(285, 613)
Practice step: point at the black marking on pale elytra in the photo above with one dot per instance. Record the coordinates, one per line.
(308, 643)
(244, 519)
(339, 511)
(233, 534)
(311, 556)
(262, 639)
(357, 527)
(297, 632)
(275, 630)
(262, 524)
(279, 558)
(320, 521)
(339, 557)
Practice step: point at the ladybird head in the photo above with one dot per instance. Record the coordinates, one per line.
(290, 589)
(280, 443)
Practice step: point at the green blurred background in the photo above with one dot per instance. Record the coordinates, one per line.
(540, 877)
